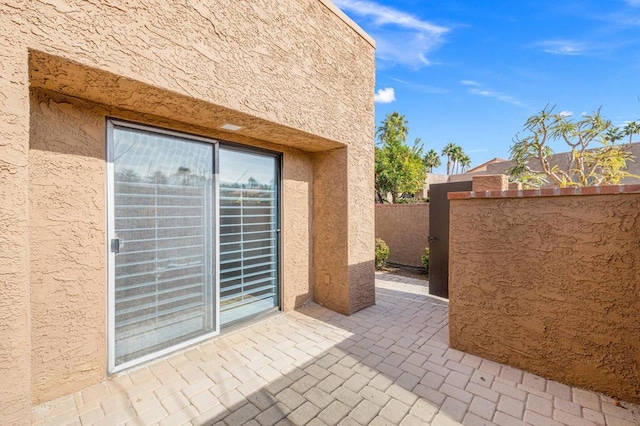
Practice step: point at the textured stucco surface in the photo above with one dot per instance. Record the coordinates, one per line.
(293, 73)
(344, 228)
(15, 366)
(405, 229)
(67, 246)
(330, 227)
(550, 285)
(361, 219)
(60, 75)
(490, 183)
(68, 226)
(297, 229)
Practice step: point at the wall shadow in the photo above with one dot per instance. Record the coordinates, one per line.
(390, 360)
(353, 366)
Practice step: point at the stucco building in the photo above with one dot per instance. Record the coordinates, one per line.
(168, 169)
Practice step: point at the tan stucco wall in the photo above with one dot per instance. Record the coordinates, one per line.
(550, 285)
(405, 229)
(67, 245)
(294, 74)
(330, 219)
(15, 342)
(343, 229)
(297, 229)
(490, 183)
(68, 232)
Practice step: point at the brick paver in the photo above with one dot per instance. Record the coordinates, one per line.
(387, 364)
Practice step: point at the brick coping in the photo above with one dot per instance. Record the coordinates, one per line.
(548, 192)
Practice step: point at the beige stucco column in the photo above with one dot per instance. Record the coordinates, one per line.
(343, 229)
(15, 374)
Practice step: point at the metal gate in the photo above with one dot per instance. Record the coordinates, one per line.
(439, 235)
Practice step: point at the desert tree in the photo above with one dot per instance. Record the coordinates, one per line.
(594, 157)
(399, 169)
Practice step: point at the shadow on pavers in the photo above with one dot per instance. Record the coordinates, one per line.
(370, 360)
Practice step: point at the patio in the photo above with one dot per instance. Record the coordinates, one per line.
(387, 364)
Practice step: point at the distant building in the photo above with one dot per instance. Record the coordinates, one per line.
(562, 160)
(483, 167)
(500, 166)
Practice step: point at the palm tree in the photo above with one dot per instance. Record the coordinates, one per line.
(394, 126)
(252, 182)
(127, 175)
(416, 149)
(632, 128)
(465, 163)
(184, 173)
(432, 160)
(157, 177)
(614, 134)
(456, 155)
(449, 150)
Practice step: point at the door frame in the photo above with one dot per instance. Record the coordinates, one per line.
(111, 123)
(439, 235)
(278, 156)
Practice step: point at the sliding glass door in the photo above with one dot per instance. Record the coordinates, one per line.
(193, 239)
(162, 242)
(248, 233)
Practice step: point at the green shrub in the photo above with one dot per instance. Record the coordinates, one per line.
(382, 253)
(425, 259)
(412, 201)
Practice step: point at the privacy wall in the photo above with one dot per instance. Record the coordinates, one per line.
(405, 229)
(296, 76)
(548, 281)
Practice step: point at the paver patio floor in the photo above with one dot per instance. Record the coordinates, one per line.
(388, 364)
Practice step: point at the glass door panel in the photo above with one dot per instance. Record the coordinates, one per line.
(248, 233)
(162, 242)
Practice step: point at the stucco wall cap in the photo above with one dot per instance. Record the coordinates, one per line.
(548, 192)
(340, 14)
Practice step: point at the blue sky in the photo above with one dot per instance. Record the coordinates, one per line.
(471, 72)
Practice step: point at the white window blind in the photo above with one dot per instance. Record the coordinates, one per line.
(163, 205)
(169, 224)
(248, 234)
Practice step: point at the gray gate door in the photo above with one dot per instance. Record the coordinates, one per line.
(439, 235)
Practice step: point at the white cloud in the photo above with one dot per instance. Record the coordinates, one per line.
(502, 97)
(383, 15)
(633, 3)
(562, 47)
(421, 87)
(475, 88)
(401, 38)
(566, 113)
(623, 19)
(385, 96)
